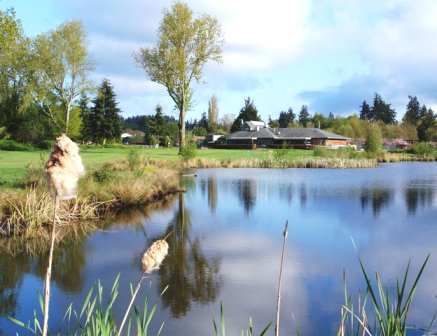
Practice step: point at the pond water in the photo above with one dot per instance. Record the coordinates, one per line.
(226, 248)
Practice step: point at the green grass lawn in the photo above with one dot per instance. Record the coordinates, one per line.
(13, 164)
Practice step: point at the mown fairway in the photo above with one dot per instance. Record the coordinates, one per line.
(13, 164)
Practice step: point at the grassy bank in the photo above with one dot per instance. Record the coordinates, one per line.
(130, 181)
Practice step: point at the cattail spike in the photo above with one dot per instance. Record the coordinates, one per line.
(154, 256)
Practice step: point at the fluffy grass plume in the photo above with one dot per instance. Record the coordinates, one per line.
(63, 169)
(154, 256)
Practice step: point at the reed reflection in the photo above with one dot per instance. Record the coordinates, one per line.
(190, 275)
(377, 198)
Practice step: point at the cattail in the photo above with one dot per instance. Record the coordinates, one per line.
(154, 256)
(63, 169)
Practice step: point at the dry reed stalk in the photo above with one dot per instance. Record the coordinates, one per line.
(62, 172)
(362, 322)
(278, 306)
(151, 260)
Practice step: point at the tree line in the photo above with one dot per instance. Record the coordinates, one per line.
(45, 89)
(45, 86)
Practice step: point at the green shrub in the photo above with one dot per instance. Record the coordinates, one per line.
(104, 175)
(423, 149)
(11, 145)
(188, 151)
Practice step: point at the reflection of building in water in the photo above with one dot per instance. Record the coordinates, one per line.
(247, 190)
(378, 197)
(419, 193)
(189, 274)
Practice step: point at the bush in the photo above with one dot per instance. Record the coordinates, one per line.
(188, 151)
(11, 145)
(45, 144)
(423, 149)
(373, 139)
(104, 175)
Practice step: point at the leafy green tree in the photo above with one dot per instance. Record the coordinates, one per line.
(105, 120)
(185, 44)
(273, 123)
(365, 112)
(213, 110)
(248, 112)
(413, 112)
(14, 72)
(286, 118)
(382, 111)
(373, 139)
(319, 121)
(60, 69)
(304, 116)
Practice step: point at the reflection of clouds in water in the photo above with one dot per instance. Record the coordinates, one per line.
(250, 270)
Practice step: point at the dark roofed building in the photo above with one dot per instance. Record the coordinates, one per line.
(257, 134)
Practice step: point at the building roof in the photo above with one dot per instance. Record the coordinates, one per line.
(260, 133)
(263, 132)
(313, 133)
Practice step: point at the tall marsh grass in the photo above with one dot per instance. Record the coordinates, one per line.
(390, 311)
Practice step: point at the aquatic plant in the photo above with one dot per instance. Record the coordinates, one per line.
(391, 313)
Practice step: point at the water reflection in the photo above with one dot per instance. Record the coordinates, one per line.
(13, 268)
(419, 193)
(377, 198)
(189, 273)
(247, 190)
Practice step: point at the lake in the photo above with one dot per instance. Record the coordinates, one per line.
(226, 249)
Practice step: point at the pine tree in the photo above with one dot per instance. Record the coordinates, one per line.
(382, 111)
(412, 114)
(157, 123)
(85, 114)
(105, 120)
(365, 112)
(286, 118)
(304, 116)
(248, 112)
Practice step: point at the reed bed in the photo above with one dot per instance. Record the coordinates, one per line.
(30, 215)
(304, 162)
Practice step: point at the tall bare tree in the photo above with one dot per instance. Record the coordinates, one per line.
(212, 113)
(61, 65)
(184, 45)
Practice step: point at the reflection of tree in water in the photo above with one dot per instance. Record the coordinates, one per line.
(247, 193)
(419, 193)
(13, 268)
(68, 266)
(189, 274)
(378, 197)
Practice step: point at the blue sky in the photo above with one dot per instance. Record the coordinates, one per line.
(328, 54)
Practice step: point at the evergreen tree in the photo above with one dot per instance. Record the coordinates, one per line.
(248, 112)
(413, 112)
(157, 123)
(105, 120)
(427, 128)
(304, 116)
(381, 111)
(203, 122)
(286, 118)
(85, 113)
(365, 112)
